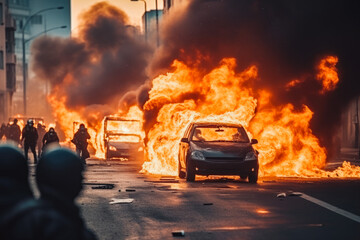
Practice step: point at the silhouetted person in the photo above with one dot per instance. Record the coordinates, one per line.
(14, 132)
(59, 179)
(2, 131)
(24, 218)
(81, 143)
(41, 132)
(30, 137)
(7, 131)
(50, 137)
(14, 189)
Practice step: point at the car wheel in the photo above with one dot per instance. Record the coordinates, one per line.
(190, 172)
(253, 176)
(182, 174)
(243, 177)
(107, 154)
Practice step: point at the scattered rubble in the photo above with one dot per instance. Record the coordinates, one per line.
(121, 201)
(281, 195)
(130, 190)
(294, 194)
(179, 233)
(106, 186)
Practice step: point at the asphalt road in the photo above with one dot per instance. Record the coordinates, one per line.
(217, 208)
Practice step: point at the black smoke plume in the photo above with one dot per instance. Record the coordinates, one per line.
(108, 59)
(285, 39)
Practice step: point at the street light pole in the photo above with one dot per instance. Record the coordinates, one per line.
(43, 32)
(157, 23)
(145, 17)
(24, 67)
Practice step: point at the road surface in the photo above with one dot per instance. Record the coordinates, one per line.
(216, 208)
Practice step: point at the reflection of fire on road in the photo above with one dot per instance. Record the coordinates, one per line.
(197, 87)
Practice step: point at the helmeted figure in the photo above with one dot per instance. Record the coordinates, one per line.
(30, 137)
(50, 137)
(41, 132)
(59, 179)
(14, 132)
(80, 141)
(14, 187)
(23, 217)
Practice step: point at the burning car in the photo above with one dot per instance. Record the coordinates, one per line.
(121, 138)
(217, 149)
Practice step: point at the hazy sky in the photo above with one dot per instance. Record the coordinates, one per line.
(134, 10)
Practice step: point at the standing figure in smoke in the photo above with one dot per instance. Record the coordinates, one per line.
(14, 132)
(41, 132)
(50, 137)
(30, 137)
(2, 131)
(81, 143)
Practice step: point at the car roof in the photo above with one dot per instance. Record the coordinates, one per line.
(209, 124)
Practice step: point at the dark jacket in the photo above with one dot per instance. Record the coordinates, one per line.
(29, 133)
(50, 137)
(80, 138)
(14, 133)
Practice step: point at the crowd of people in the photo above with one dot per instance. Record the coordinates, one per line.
(54, 215)
(59, 176)
(37, 139)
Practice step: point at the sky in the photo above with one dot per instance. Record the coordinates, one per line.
(134, 10)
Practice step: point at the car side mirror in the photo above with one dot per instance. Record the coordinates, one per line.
(254, 141)
(185, 140)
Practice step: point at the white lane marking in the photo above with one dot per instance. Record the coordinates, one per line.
(331, 208)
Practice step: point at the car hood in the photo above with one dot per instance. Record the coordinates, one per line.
(124, 145)
(222, 149)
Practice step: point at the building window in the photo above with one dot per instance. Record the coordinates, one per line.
(10, 41)
(1, 14)
(1, 59)
(37, 19)
(10, 77)
(23, 3)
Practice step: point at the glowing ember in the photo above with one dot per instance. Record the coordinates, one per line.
(327, 73)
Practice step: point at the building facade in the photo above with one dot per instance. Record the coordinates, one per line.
(35, 18)
(7, 61)
(170, 3)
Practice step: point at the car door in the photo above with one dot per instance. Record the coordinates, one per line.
(184, 146)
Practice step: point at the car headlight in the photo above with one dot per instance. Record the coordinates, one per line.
(112, 148)
(250, 156)
(197, 155)
(140, 149)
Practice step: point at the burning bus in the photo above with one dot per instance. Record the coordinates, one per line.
(122, 138)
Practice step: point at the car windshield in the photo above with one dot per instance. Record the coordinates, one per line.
(118, 126)
(220, 134)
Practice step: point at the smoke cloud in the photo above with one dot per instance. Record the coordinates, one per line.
(108, 59)
(285, 39)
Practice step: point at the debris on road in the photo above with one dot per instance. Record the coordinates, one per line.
(208, 204)
(281, 195)
(179, 233)
(130, 190)
(121, 201)
(107, 186)
(294, 194)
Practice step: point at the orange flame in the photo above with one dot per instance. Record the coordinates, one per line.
(327, 73)
(286, 144)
